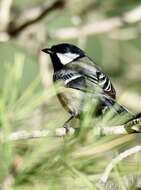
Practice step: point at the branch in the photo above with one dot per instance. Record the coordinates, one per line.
(113, 130)
(116, 160)
(134, 126)
(33, 15)
(98, 27)
(23, 135)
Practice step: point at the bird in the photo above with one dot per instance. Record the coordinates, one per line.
(83, 81)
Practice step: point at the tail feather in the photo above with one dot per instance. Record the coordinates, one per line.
(111, 104)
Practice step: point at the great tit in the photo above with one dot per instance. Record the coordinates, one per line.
(83, 81)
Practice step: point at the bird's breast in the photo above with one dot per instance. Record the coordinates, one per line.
(71, 100)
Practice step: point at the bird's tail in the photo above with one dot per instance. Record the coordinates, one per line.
(115, 107)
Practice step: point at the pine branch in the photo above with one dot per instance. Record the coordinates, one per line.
(24, 135)
(133, 126)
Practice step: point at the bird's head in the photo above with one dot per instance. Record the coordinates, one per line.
(64, 53)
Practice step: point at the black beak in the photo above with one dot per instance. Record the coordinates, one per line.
(47, 50)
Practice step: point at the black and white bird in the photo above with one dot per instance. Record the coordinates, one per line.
(83, 81)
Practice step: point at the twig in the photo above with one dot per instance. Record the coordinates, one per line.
(113, 130)
(22, 135)
(102, 26)
(116, 160)
(107, 130)
(33, 15)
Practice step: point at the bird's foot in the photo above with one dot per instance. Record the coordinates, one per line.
(69, 130)
(65, 130)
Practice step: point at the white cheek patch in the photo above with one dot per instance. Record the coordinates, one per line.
(66, 58)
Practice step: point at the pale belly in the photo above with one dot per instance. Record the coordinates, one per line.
(72, 100)
(76, 101)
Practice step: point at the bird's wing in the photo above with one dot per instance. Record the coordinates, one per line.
(94, 76)
(81, 83)
(89, 78)
(87, 82)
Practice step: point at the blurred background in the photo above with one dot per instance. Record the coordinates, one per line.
(110, 32)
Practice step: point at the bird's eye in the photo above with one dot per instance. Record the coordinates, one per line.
(66, 58)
